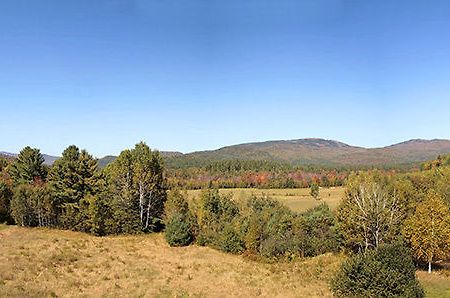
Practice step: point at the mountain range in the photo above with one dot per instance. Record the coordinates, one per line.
(305, 152)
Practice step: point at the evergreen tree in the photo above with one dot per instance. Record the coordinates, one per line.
(29, 166)
(5, 202)
(314, 190)
(71, 178)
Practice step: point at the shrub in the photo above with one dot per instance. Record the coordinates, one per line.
(386, 272)
(214, 212)
(178, 230)
(230, 240)
(5, 202)
(320, 226)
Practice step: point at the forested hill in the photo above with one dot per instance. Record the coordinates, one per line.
(304, 152)
(319, 152)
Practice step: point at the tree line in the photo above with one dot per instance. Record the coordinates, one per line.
(253, 174)
(126, 197)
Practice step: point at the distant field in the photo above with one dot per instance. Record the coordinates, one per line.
(42, 262)
(297, 199)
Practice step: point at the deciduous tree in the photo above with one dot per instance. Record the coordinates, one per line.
(370, 212)
(428, 230)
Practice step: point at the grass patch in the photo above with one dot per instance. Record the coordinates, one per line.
(64, 263)
(298, 199)
(436, 284)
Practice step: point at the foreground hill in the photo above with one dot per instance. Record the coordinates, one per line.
(43, 262)
(320, 152)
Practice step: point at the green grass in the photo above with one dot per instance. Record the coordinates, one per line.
(297, 199)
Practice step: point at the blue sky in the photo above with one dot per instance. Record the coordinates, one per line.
(195, 75)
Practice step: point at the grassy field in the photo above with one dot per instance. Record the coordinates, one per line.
(296, 199)
(42, 262)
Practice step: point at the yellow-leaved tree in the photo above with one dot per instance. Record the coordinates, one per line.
(428, 230)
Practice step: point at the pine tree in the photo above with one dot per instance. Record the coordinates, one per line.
(71, 178)
(28, 167)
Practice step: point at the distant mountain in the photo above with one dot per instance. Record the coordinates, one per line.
(320, 152)
(303, 152)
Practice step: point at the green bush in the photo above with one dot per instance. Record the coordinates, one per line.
(5, 203)
(320, 226)
(214, 212)
(230, 240)
(386, 272)
(178, 219)
(178, 230)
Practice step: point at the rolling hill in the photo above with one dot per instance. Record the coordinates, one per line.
(303, 152)
(320, 152)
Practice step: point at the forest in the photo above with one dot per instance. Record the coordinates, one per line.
(388, 223)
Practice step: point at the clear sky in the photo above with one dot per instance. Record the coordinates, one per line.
(193, 75)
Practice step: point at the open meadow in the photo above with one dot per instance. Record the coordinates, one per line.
(297, 199)
(44, 262)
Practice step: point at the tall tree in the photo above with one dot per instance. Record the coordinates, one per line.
(370, 212)
(138, 180)
(71, 178)
(73, 175)
(428, 230)
(29, 166)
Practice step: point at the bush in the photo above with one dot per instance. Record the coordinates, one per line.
(179, 221)
(230, 240)
(320, 226)
(178, 230)
(214, 212)
(5, 202)
(386, 272)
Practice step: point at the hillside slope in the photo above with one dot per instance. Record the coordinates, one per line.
(304, 152)
(322, 152)
(45, 262)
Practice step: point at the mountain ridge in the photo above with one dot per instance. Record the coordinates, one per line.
(304, 152)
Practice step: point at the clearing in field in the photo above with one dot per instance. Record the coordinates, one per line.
(298, 199)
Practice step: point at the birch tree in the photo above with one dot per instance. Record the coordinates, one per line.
(370, 212)
(138, 180)
(428, 230)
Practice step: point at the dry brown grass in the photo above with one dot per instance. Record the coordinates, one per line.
(297, 199)
(436, 284)
(42, 262)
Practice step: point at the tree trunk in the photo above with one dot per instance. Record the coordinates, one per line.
(141, 202)
(429, 267)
